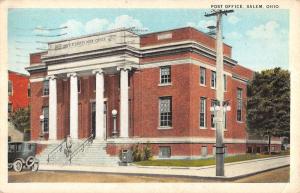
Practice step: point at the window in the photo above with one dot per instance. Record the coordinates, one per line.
(202, 76)
(78, 85)
(165, 111)
(225, 82)
(165, 75)
(46, 119)
(9, 108)
(46, 88)
(204, 151)
(239, 104)
(213, 79)
(165, 152)
(272, 148)
(212, 115)
(10, 88)
(28, 90)
(203, 112)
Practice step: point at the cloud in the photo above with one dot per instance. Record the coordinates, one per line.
(233, 35)
(126, 21)
(202, 24)
(74, 28)
(96, 25)
(233, 19)
(265, 31)
(77, 28)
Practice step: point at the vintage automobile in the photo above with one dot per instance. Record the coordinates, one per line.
(22, 154)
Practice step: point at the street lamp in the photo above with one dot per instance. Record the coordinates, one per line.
(114, 113)
(41, 130)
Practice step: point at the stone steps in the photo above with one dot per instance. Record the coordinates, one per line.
(93, 154)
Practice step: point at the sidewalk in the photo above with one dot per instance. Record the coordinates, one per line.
(232, 170)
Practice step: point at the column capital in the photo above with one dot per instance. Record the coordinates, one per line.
(51, 77)
(125, 68)
(72, 74)
(98, 71)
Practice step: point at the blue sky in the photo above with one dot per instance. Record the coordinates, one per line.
(259, 37)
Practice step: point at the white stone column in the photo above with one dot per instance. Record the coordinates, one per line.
(73, 106)
(124, 122)
(100, 131)
(52, 108)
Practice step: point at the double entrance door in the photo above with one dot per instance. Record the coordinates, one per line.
(93, 112)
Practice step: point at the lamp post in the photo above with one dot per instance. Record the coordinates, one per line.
(114, 113)
(218, 119)
(41, 130)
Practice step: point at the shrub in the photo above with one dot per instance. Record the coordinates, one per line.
(21, 119)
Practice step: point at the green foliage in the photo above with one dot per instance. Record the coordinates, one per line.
(268, 105)
(204, 162)
(20, 118)
(147, 151)
(141, 152)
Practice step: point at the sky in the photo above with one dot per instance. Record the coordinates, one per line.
(259, 37)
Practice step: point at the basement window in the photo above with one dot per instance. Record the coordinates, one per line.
(165, 152)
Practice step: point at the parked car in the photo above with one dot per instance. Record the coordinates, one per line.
(20, 155)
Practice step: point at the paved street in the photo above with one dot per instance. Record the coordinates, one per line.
(276, 175)
(232, 170)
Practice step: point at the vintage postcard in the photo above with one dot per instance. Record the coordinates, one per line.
(153, 96)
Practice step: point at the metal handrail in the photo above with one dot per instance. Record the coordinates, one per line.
(53, 151)
(89, 140)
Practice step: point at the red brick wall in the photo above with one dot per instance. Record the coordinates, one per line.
(35, 58)
(37, 101)
(19, 97)
(180, 149)
(182, 34)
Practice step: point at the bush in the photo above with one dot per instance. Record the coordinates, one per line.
(141, 153)
(21, 119)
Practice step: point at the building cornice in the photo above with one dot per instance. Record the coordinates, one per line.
(36, 68)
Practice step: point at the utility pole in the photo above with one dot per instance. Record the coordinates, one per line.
(219, 116)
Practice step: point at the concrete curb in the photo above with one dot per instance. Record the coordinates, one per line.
(183, 175)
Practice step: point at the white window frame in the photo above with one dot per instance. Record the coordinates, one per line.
(202, 69)
(44, 88)
(160, 155)
(159, 112)
(160, 76)
(202, 99)
(213, 79)
(43, 112)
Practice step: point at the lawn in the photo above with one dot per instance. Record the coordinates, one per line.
(204, 162)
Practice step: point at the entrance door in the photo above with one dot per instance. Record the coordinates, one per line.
(93, 113)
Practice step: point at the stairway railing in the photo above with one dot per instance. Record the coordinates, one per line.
(81, 147)
(53, 152)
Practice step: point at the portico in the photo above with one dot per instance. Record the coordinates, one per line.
(98, 74)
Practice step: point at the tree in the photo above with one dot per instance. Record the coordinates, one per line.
(20, 118)
(268, 105)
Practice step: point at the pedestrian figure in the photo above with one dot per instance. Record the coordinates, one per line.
(68, 146)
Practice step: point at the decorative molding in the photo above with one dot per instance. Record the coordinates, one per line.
(172, 140)
(39, 79)
(72, 74)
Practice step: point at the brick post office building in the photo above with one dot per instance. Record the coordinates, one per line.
(162, 85)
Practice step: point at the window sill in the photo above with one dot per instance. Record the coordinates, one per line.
(203, 128)
(240, 122)
(164, 128)
(203, 85)
(165, 84)
(45, 95)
